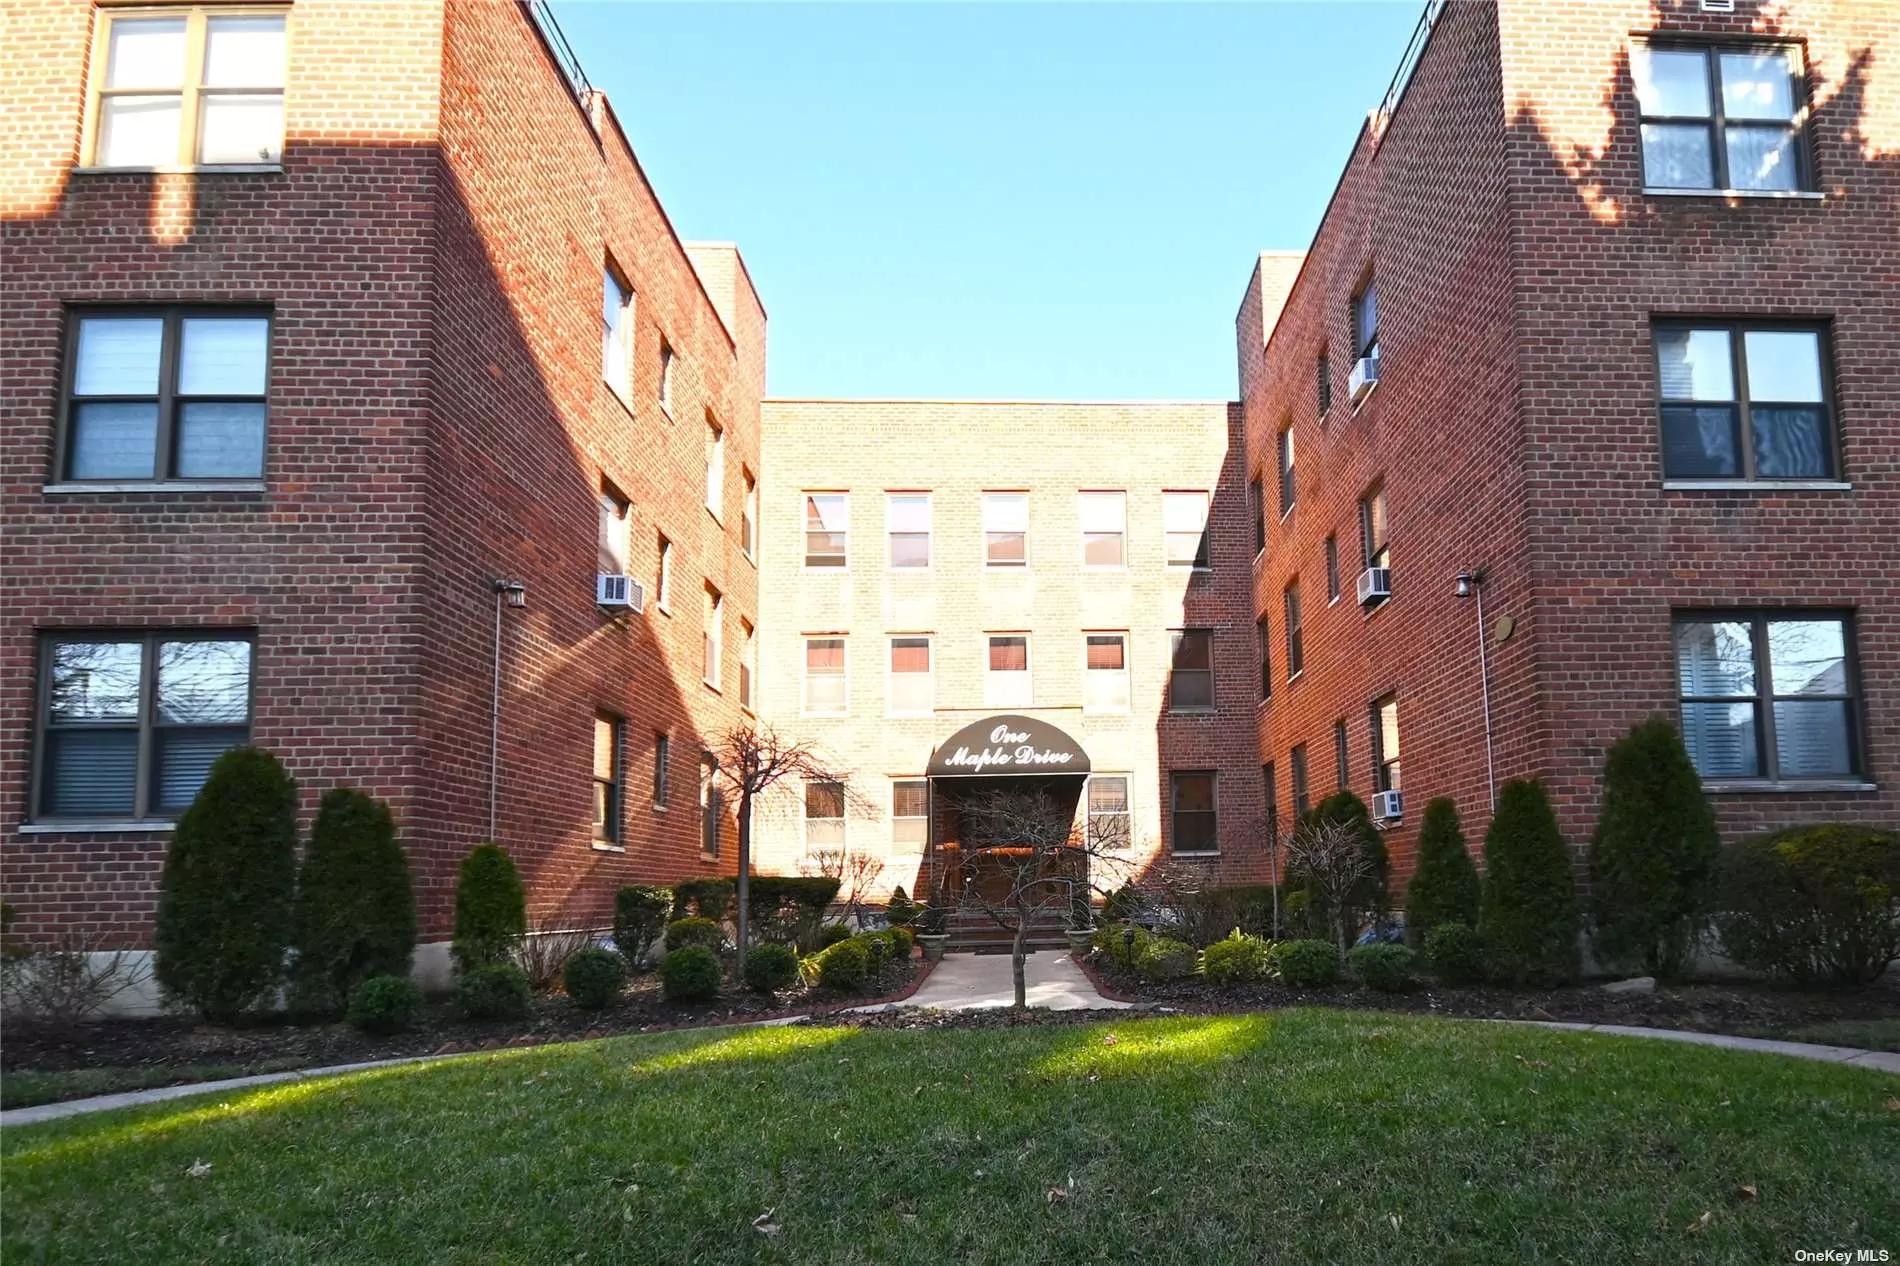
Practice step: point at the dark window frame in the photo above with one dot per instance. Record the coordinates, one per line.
(1271, 785)
(1302, 792)
(1716, 121)
(1295, 630)
(1175, 811)
(711, 806)
(1177, 638)
(1287, 456)
(1375, 548)
(1263, 634)
(1385, 773)
(1332, 568)
(662, 772)
(1363, 346)
(609, 793)
(1257, 511)
(1342, 755)
(1323, 370)
(1737, 328)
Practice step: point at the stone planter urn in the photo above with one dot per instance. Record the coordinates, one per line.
(933, 943)
(1081, 940)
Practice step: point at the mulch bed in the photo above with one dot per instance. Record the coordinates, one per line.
(1731, 1007)
(165, 1040)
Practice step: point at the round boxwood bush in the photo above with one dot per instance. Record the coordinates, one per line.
(1164, 958)
(844, 965)
(1121, 943)
(705, 933)
(594, 977)
(770, 968)
(1387, 968)
(385, 1004)
(832, 934)
(1455, 954)
(690, 974)
(1236, 960)
(902, 942)
(498, 991)
(1309, 964)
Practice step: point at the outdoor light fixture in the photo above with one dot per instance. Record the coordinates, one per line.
(514, 591)
(1470, 583)
(516, 595)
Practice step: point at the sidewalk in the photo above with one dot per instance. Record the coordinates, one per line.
(965, 982)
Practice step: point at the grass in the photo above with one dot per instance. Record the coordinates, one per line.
(25, 1087)
(1302, 1135)
(1867, 1035)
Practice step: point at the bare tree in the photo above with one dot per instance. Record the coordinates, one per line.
(1039, 847)
(857, 873)
(66, 980)
(1330, 856)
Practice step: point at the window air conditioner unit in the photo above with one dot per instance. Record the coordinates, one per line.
(619, 593)
(1375, 585)
(1364, 377)
(1388, 806)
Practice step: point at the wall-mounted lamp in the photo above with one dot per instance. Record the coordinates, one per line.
(1469, 584)
(514, 591)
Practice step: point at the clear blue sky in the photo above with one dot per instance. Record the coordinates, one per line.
(995, 200)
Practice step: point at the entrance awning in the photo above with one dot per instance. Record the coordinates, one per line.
(1008, 746)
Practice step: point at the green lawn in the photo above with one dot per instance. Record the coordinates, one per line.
(1302, 1135)
(25, 1087)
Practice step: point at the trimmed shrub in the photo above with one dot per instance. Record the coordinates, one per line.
(491, 915)
(594, 977)
(877, 945)
(1812, 903)
(1122, 904)
(1384, 967)
(1118, 947)
(708, 898)
(770, 968)
(690, 974)
(224, 899)
(902, 942)
(1528, 915)
(385, 1004)
(493, 991)
(832, 934)
(1308, 964)
(640, 913)
(900, 910)
(1455, 954)
(1652, 857)
(1165, 959)
(1444, 887)
(789, 907)
(1237, 960)
(844, 965)
(705, 933)
(355, 911)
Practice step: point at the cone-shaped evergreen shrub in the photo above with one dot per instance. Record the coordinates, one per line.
(355, 915)
(1370, 901)
(224, 900)
(491, 915)
(1653, 857)
(1528, 917)
(1444, 887)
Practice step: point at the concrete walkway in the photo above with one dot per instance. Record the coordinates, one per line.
(1884, 1061)
(965, 982)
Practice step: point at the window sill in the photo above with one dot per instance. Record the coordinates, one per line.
(185, 169)
(1769, 195)
(1206, 852)
(716, 516)
(1760, 787)
(712, 686)
(1193, 712)
(666, 410)
(82, 828)
(603, 846)
(156, 486)
(660, 808)
(1757, 485)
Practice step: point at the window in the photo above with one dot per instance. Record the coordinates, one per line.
(189, 88)
(911, 688)
(1743, 401)
(667, 361)
(1323, 370)
(1295, 654)
(1332, 568)
(1104, 525)
(748, 663)
(166, 393)
(1273, 809)
(910, 814)
(1385, 744)
(1193, 812)
(907, 521)
(1264, 634)
(1297, 758)
(663, 591)
(1109, 822)
(1365, 324)
(1768, 696)
(1289, 486)
(1006, 684)
(1005, 529)
(616, 336)
(710, 803)
(715, 468)
(1372, 533)
(1105, 672)
(749, 517)
(713, 610)
(1720, 118)
(130, 723)
(1257, 511)
(1342, 756)
(614, 511)
(606, 778)
(662, 757)
(1191, 671)
(825, 529)
(824, 816)
(1184, 520)
(824, 676)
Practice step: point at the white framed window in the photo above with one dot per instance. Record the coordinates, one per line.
(1184, 520)
(668, 362)
(663, 587)
(911, 689)
(910, 814)
(749, 516)
(715, 635)
(1385, 743)
(616, 336)
(907, 523)
(1105, 672)
(607, 778)
(1005, 529)
(202, 86)
(614, 541)
(710, 804)
(1006, 677)
(1110, 816)
(827, 528)
(824, 816)
(748, 663)
(715, 468)
(824, 676)
(1104, 517)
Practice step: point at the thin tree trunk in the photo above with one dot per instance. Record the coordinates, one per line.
(745, 871)
(1018, 951)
